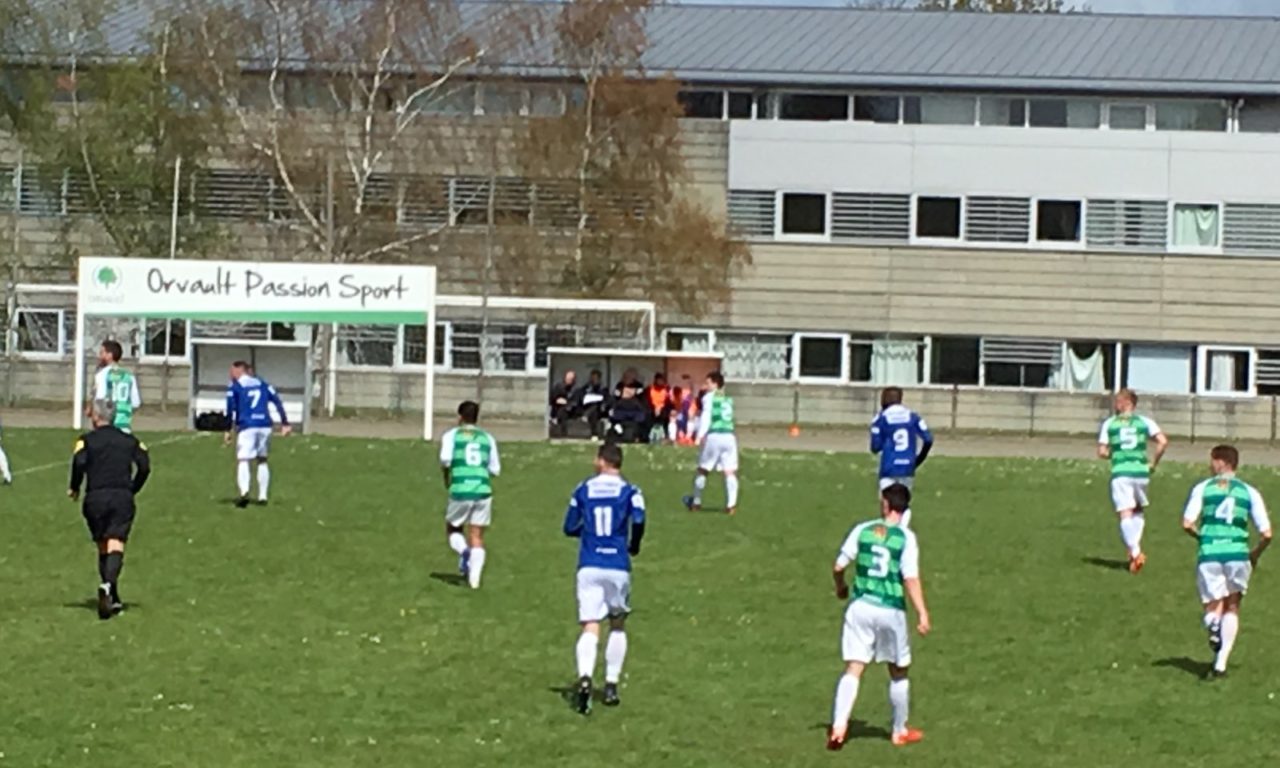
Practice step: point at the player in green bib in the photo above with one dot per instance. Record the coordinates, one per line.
(719, 445)
(886, 565)
(469, 458)
(1217, 516)
(1123, 441)
(116, 384)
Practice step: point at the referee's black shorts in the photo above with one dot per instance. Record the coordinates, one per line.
(109, 514)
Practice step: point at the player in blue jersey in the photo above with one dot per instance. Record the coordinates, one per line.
(249, 400)
(903, 441)
(607, 514)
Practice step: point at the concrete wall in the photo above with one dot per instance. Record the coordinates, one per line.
(1046, 162)
(373, 393)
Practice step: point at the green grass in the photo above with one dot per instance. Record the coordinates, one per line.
(312, 633)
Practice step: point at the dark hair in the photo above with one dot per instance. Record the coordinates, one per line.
(113, 349)
(1130, 395)
(890, 396)
(469, 411)
(611, 454)
(1226, 453)
(898, 496)
(659, 377)
(716, 378)
(596, 372)
(239, 364)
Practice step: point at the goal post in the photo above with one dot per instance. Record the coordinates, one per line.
(285, 292)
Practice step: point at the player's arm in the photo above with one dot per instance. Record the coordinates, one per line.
(910, 567)
(704, 418)
(79, 465)
(1262, 522)
(273, 398)
(637, 522)
(233, 411)
(1191, 512)
(1161, 441)
(135, 397)
(877, 436)
(926, 440)
(1104, 441)
(446, 458)
(141, 465)
(495, 463)
(573, 522)
(844, 558)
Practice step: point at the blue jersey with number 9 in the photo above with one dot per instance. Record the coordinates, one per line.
(897, 435)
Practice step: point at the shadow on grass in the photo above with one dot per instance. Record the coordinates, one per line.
(452, 579)
(859, 729)
(91, 604)
(1103, 562)
(1185, 664)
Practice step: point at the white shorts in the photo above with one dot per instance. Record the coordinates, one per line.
(252, 443)
(1217, 581)
(719, 451)
(462, 512)
(875, 634)
(885, 482)
(603, 593)
(1129, 492)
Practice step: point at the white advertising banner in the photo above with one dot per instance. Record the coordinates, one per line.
(257, 291)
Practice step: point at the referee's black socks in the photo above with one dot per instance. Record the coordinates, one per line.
(111, 565)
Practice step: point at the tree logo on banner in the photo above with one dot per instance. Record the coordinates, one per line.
(107, 278)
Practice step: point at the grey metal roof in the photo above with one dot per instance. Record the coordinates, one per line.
(851, 48)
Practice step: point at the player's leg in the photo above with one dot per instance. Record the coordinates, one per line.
(857, 648)
(1124, 497)
(592, 609)
(618, 601)
(246, 452)
(729, 465)
(1230, 629)
(5, 474)
(1211, 582)
(262, 446)
(480, 518)
(842, 704)
(456, 515)
(893, 645)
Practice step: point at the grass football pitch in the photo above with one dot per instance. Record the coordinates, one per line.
(327, 630)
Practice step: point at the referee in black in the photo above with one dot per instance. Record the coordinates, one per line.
(116, 466)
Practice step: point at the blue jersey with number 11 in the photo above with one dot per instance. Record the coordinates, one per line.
(897, 434)
(601, 514)
(248, 399)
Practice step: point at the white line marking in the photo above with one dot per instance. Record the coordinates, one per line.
(65, 464)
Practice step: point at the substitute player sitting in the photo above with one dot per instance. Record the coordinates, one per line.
(1217, 516)
(886, 561)
(607, 514)
(903, 441)
(1123, 439)
(249, 400)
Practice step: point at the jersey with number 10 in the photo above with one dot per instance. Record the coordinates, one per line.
(896, 435)
(601, 513)
(883, 556)
(121, 388)
(1126, 436)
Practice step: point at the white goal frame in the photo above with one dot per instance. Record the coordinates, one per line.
(298, 292)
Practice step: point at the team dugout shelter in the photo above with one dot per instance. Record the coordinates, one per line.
(241, 291)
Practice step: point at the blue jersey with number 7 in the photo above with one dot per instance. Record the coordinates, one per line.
(898, 434)
(601, 513)
(248, 399)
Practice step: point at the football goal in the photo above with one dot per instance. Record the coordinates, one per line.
(257, 292)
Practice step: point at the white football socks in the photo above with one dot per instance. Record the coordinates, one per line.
(476, 567)
(586, 652)
(846, 695)
(731, 491)
(4, 467)
(615, 652)
(699, 485)
(899, 701)
(242, 478)
(457, 542)
(264, 480)
(1131, 532)
(1230, 628)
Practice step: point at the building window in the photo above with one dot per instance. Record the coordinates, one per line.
(1058, 221)
(997, 219)
(1225, 371)
(938, 217)
(1196, 226)
(1251, 228)
(689, 341)
(703, 104)
(820, 356)
(41, 331)
(740, 105)
(752, 212)
(813, 106)
(1127, 117)
(165, 338)
(503, 347)
(368, 345)
(877, 109)
(1064, 113)
(1029, 363)
(996, 110)
(1128, 224)
(413, 350)
(869, 216)
(1268, 372)
(545, 338)
(939, 110)
(954, 360)
(1191, 116)
(804, 214)
(755, 356)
